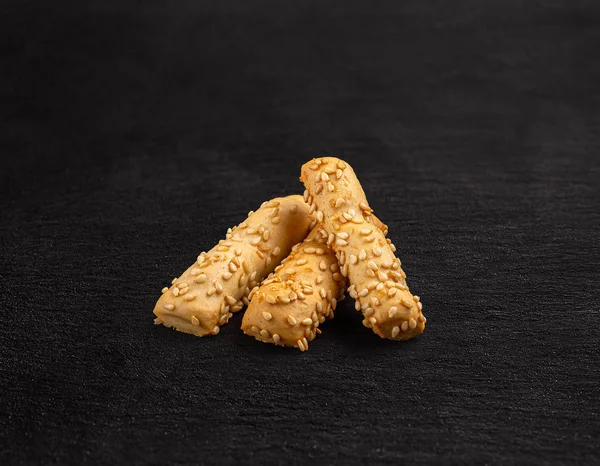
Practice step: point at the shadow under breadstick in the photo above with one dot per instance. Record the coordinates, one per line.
(377, 281)
(219, 282)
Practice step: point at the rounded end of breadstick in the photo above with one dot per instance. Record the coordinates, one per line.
(400, 319)
(185, 317)
(278, 316)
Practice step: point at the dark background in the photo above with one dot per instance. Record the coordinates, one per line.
(133, 134)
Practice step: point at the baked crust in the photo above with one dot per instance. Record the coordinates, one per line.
(218, 283)
(377, 281)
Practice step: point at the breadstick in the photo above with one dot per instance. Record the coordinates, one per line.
(299, 295)
(207, 293)
(377, 281)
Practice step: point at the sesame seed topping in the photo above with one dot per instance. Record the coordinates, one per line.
(372, 265)
(379, 286)
(330, 187)
(318, 189)
(195, 271)
(227, 276)
(341, 242)
(363, 206)
(392, 292)
(343, 235)
(319, 280)
(319, 306)
(264, 333)
(232, 267)
(307, 321)
(314, 166)
(318, 177)
(421, 318)
(320, 216)
(173, 281)
(339, 202)
(175, 291)
(219, 288)
(195, 321)
(276, 338)
(294, 209)
(395, 331)
(420, 306)
(373, 320)
(323, 265)
(377, 251)
(200, 279)
(169, 307)
(266, 235)
(370, 273)
(267, 315)
(301, 261)
(329, 170)
(404, 326)
(291, 320)
(305, 195)
(300, 345)
(357, 305)
(275, 220)
(368, 312)
(362, 255)
(305, 343)
(412, 323)
(164, 290)
(310, 250)
(392, 312)
(276, 251)
(363, 292)
(323, 293)
(271, 299)
(339, 174)
(324, 176)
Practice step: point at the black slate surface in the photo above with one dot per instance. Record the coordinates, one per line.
(133, 134)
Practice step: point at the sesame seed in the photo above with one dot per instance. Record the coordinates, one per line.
(324, 177)
(368, 312)
(219, 288)
(305, 343)
(164, 290)
(392, 312)
(404, 326)
(416, 298)
(255, 241)
(227, 276)
(307, 332)
(183, 291)
(421, 318)
(291, 320)
(318, 189)
(195, 321)
(333, 303)
(339, 174)
(320, 216)
(420, 306)
(341, 242)
(363, 292)
(276, 251)
(266, 235)
(301, 295)
(338, 277)
(200, 279)
(310, 250)
(362, 255)
(263, 247)
(345, 217)
(379, 286)
(373, 320)
(357, 220)
(319, 280)
(412, 323)
(301, 261)
(392, 292)
(224, 318)
(276, 338)
(173, 281)
(377, 251)
(363, 206)
(275, 220)
(320, 251)
(395, 331)
(372, 265)
(339, 202)
(305, 195)
(319, 306)
(370, 273)
(294, 209)
(318, 177)
(330, 187)
(267, 315)
(271, 299)
(195, 271)
(300, 345)
(370, 239)
(333, 267)
(357, 305)
(382, 276)
(323, 293)
(264, 333)
(260, 254)
(307, 290)
(323, 265)
(293, 296)
(175, 291)
(343, 235)
(307, 321)
(169, 307)
(329, 170)
(232, 267)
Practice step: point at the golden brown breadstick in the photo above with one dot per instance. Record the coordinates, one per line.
(299, 295)
(219, 282)
(302, 292)
(377, 281)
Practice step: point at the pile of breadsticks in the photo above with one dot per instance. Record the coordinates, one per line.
(310, 250)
